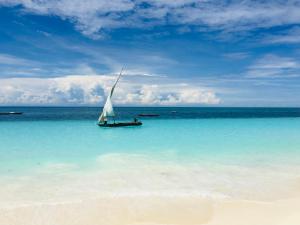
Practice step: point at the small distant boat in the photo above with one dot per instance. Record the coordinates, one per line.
(108, 112)
(11, 113)
(148, 115)
(123, 124)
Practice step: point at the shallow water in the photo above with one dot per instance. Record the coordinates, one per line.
(219, 152)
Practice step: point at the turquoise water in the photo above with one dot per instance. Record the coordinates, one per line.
(26, 144)
(212, 150)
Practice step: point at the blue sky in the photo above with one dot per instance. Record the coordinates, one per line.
(180, 52)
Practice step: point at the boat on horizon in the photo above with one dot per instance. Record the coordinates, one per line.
(148, 115)
(108, 112)
(11, 113)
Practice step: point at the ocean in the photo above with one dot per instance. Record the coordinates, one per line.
(58, 154)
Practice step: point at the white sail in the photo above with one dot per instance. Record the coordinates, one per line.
(108, 110)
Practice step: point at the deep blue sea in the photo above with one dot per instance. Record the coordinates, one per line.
(92, 113)
(206, 151)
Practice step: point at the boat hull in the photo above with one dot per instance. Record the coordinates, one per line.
(148, 115)
(125, 124)
(11, 113)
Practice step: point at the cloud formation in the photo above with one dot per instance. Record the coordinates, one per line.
(91, 90)
(274, 66)
(6, 59)
(291, 36)
(92, 17)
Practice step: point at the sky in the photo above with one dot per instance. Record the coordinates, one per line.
(174, 53)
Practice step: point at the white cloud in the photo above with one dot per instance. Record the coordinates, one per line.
(273, 66)
(237, 55)
(172, 94)
(91, 90)
(91, 17)
(292, 36)
(6, 59)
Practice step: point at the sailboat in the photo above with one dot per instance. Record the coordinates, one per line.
(108, 112)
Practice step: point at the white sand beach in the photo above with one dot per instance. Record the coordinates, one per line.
(156, 210)
(134, 192)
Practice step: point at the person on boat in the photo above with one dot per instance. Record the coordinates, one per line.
(105, 121)
(135, 120)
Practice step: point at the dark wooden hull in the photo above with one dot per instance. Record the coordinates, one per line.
(124, 124)
(148, 115)
(11, 113)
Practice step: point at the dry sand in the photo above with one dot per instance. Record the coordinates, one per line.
(148, 210)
